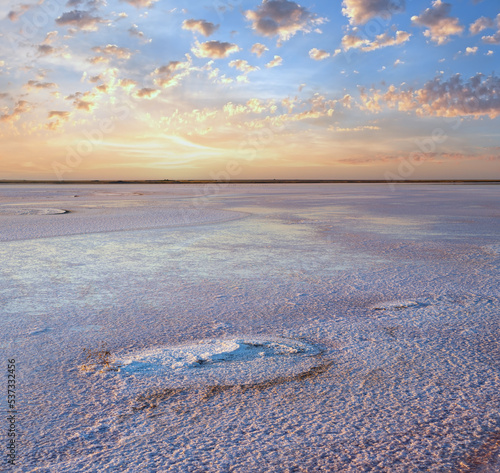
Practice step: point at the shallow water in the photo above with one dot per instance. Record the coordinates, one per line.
(398, 288)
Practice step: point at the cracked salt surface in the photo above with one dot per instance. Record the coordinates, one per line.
(188, 296)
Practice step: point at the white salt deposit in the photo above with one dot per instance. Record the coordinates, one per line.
(220, 362)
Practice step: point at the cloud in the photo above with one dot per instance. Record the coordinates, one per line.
(242, 65)
(495, 38)
(81, 20)
(172, 73)
(352, 41)
(141, 3)
(282, 18)
(98, 59)
(21, 107)
(57, 114)
(277, 61)
(134, 31)
(201, 26)
(113, 50)
(127, 84)
(361, 11)
(147, 93)
(214, 49)
(84, 105)
(318, 54)
(82, 101)
(33, 84)
(46, 49)
(481, 24)
(440, 26)
(258, 49)
(469, 50)
(50, 37)
(59, 117)
(454, 97)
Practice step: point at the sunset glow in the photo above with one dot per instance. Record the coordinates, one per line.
(156, 89)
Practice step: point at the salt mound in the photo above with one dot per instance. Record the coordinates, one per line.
(400, 305)
(21, 211)
(217, 362)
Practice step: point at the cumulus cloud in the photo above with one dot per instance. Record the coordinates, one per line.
(470, 50)
(353, 41)
(82, 101)
(454, 97)
(277, 61)
(495, 38)
(141, 3)
(134, 31)
(127, 84)
(201, 26)
(33, 84)
(361, 11)
(59, 118)
(147, 93)
(481, 24)
(440, 26)
(172, 73)
(98, 59)
(80, 20)
(242, 65)
(58, 114)
(113, 50)
(258, 49)
(318, 54)
(46, 49)
(214, 49)
(21, 107)
(282, 18)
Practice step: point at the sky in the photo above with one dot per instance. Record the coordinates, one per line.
(237, 89)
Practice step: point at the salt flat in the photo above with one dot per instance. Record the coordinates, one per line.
(253, 328)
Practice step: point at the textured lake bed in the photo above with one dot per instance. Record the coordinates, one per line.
(254, 328)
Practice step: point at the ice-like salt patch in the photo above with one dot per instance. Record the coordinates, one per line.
(26, 211)
(220, 362)
(400, 305)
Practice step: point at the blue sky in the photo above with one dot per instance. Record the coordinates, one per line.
(359, 89)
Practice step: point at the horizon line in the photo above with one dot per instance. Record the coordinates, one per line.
(253, 181)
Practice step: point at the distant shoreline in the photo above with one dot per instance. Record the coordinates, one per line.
(261, 181)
